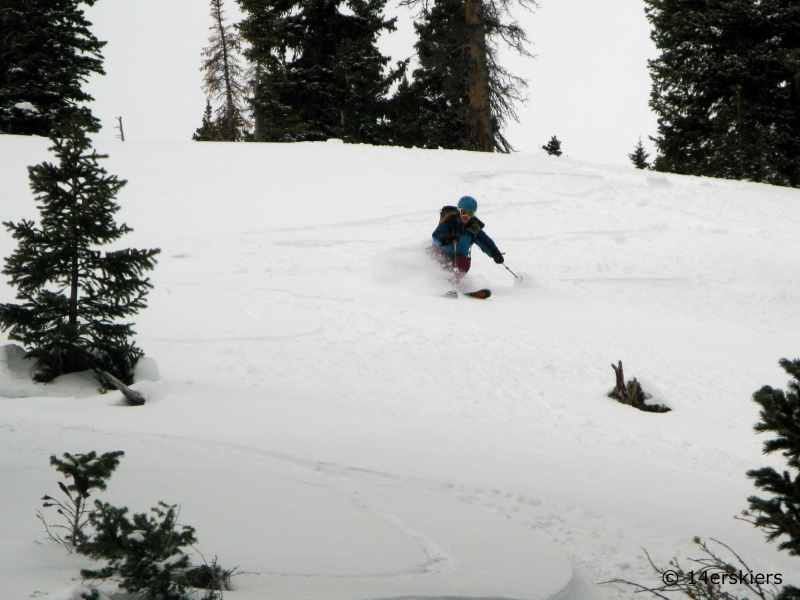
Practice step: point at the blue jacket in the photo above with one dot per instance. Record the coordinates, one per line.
(466, 234)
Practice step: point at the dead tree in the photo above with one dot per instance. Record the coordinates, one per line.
(632, 394)
(121, 135)
(480, 113)
(133, 397)
(224, 75)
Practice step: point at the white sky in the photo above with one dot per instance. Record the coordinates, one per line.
(589, 83)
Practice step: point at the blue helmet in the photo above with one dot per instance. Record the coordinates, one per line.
(468, 203)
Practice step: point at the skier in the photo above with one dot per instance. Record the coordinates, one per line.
(458, 229)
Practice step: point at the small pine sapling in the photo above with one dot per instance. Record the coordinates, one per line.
(208, 131)
(145, 554)
(639, 156)
(210, 577)
(88, 472)
(553, 147)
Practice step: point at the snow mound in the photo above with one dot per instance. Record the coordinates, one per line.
(16, 382)
(146, 369)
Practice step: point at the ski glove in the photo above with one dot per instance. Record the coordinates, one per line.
(449, 240)
(498, 258)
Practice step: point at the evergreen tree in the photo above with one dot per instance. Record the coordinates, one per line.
(460, 96)
(224, 78)
(639, 156)
(145, 553)
(207, 132)
(46, 53)
(553, 147)
(88, 472)
(433, 110)
(726, 88)
(779, 515)
(318, 73)
(72, 293)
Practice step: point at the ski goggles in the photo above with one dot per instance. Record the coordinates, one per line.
(466, 213)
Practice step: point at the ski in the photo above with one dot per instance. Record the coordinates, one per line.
(481, 294)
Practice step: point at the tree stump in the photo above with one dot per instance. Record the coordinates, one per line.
(632, 394)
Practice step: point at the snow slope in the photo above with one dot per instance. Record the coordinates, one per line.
(334, 426)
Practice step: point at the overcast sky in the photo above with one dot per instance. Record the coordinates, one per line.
(588, 84)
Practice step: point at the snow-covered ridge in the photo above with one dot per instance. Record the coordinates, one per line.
(318, 396)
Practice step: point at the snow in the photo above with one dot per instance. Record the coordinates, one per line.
(136, 536)
(336, 428)
(26, 106)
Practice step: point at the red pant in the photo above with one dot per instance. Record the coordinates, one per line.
(458, 266)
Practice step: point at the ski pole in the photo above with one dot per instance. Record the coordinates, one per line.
(455, 267)
(512, 272)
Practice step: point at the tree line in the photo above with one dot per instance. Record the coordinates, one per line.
(725, 85)
(726, 89)
(310, 70)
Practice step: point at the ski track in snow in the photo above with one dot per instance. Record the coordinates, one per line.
(297, 321)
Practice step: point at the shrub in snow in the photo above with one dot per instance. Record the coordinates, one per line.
(88, 472)
(144, 553)
(210, 577)
(72, 294)
(553, 147)
(712, 577)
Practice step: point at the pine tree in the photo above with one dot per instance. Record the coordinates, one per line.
(639, 156)
(433, 110)
(725, 88)
(72, 293)
(779, 515)
(553, 147)
(88, 472)
(318, 73)
(47, 52)
(145, 553)
(224, 77)
(262, 30)
(208, 131)
(460, 96)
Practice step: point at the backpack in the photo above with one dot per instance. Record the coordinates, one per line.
(472, 228)
(448, 213)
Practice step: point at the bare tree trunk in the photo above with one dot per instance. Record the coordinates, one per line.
(480, 119)
(230, 133)
(257, 126)
(73, 314)
(133, 397)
